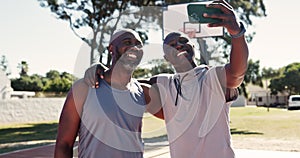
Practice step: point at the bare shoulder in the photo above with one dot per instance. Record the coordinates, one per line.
(80, 84)
(79, 91)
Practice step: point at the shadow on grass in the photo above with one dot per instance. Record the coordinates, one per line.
(20, 147)
(28, 132)
(155, 142)
(31, 132)
(156, 139)
(235, 131)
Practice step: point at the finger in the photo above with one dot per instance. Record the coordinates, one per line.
(223, 17)
(99, 74)
(223, 24)
(223, 7)
(91, 80)
(87, 79)
(224, 3)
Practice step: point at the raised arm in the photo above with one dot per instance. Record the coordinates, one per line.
(70, 120)
(237, 67)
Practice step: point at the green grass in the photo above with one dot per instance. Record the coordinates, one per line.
(21, 136)
(153, 127)
(246, 122)
(258, 122)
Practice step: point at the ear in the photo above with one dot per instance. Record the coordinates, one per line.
(110, 48)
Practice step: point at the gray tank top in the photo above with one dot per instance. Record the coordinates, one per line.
(111, 122)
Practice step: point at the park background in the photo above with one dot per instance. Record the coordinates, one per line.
(31, 33)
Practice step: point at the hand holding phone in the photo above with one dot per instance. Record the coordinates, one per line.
(196, 11)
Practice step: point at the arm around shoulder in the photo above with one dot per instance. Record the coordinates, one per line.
(153, 100)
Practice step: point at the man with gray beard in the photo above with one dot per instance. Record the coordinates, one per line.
(108, 120)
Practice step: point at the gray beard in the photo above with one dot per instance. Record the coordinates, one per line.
(130, 66)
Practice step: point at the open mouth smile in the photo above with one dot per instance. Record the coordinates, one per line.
(133, 56)
(182, 53)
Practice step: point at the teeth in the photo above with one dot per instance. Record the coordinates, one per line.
(181, 53)
(132, 56)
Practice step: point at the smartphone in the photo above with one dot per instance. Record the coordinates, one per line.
(195, 13)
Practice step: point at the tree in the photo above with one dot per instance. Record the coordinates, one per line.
(58, 82)
(4, 65)
(53, 82)
(252, 76)
(52, 74)
(287, 80)
(102, 17)
(269, 73)
(23, 66)
(161, 66)
(142, 73)
(28, 83)
(155, 67)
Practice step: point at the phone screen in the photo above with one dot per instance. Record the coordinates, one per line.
(195, 13)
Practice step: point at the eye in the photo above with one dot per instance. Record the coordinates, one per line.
(127, 42)
(183, 40)
(172, 44)
(138, 44)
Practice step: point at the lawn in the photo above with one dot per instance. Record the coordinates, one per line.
(251, 127)
(275, 124)
(256, 128)
(21, 136)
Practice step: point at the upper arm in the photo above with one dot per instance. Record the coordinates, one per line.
(227, 78)
(149, 81)
(153, 100)
(230, 92)
(70, 117)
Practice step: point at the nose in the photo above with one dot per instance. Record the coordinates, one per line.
(135, 48)
(178, 46)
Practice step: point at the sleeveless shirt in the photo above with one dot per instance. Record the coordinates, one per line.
(111, 122)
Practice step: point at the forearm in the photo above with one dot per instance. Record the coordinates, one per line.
(63, 151)
(237, 67)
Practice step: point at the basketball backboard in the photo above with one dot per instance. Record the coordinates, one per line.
(176, 19)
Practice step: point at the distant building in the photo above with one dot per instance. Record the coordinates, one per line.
(5, 86)
(241, 101)
(260, 96)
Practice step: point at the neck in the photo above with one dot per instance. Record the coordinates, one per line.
(185, 68)
(118, 78)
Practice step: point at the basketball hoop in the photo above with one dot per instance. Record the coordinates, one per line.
(190, 32)
(185, 24)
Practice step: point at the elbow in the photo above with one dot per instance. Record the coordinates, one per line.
(235, 78)
(235, 82)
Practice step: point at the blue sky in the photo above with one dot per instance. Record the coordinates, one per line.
(31, 33)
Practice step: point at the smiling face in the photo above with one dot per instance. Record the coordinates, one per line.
(127, 50)
(178, 49)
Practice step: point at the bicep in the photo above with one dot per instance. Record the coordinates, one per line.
(70, 116)
(230, 91)
(153, 101)
(232, 80)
